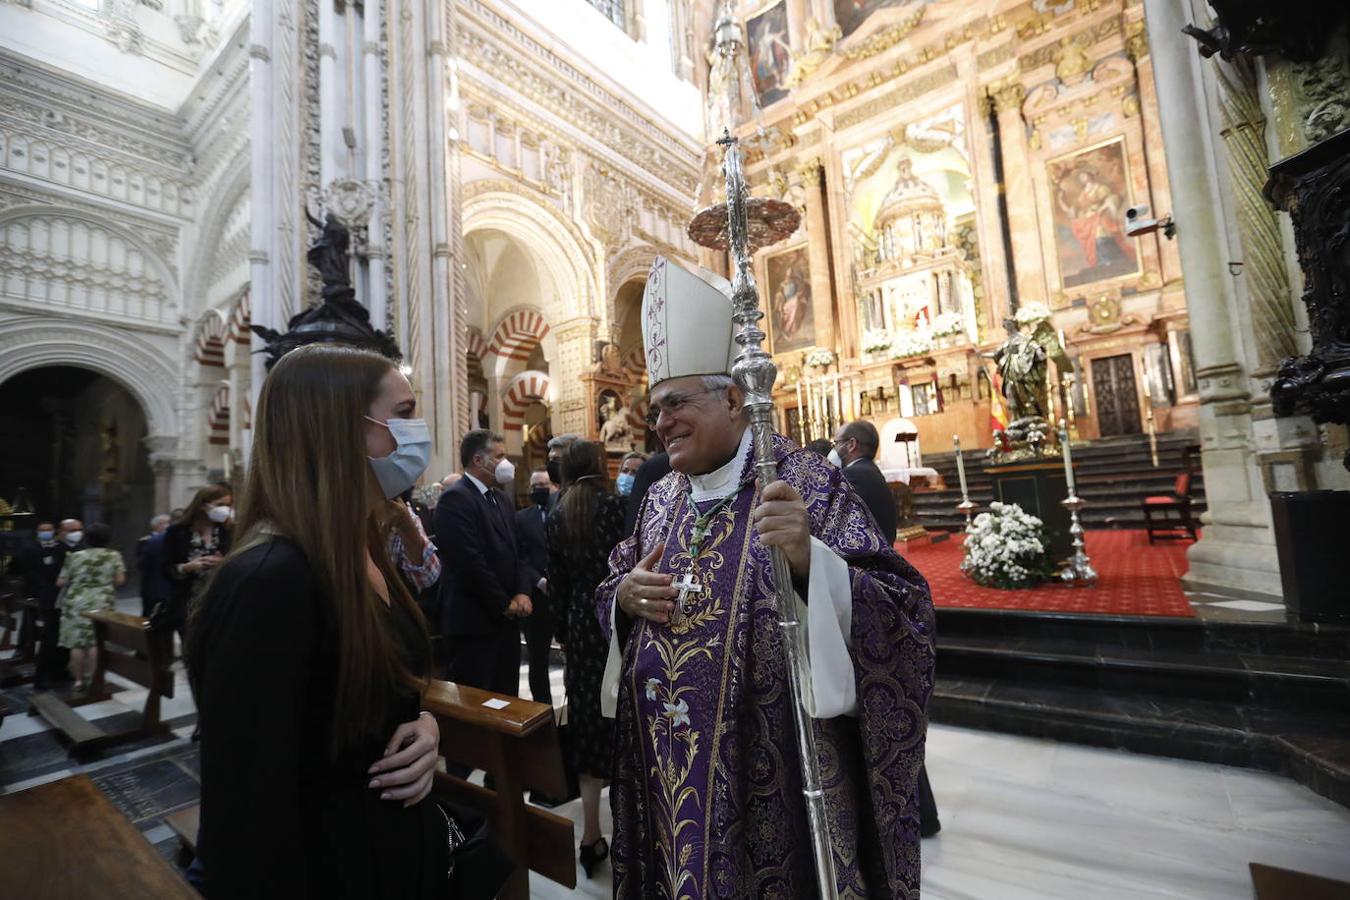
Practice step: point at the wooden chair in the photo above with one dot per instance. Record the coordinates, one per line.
(518, 746)
(128, 647)
(1158, 511)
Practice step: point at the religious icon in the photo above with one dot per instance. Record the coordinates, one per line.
(850, 14)
(791, 315)
(770, 56)
(1090, 194)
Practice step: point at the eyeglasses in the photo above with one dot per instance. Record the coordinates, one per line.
(673, 403)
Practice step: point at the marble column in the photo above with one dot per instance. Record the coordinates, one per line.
(817, 248)
(1237, 551)
(1021, 194)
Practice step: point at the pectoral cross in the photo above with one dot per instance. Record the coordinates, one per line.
(687, 585)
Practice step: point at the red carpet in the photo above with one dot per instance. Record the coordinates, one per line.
(1135, 579)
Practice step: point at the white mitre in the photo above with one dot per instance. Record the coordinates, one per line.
(686, 323)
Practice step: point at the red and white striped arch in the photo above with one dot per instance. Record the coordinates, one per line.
(517, 335)
(528, 387)
(212, 333)
(218, 417)
(477, 346)
(240, 318)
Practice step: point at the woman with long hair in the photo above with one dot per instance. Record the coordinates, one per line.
(194, 545)
(582, 531)
(307, 653)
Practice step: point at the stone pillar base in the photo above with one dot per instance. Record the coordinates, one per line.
(1235, 560)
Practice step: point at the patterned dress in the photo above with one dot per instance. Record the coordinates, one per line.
(576, 564)
(90, 577)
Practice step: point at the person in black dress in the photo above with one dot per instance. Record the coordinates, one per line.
(308, 656)
(586, 526)
(193, 546)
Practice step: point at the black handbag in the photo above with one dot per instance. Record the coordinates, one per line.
(478, 865)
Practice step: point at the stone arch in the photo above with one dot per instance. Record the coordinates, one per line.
(560, 248)
(525, 388)
(30, 342)
(517, 334)
(232, 187)
(218, 417)
(209, 339)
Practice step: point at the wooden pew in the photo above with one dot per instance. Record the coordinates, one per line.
(518, 746)
(128, 647)
(66, 841)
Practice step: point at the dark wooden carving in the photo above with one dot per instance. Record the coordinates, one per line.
(338, 318)
(1295, 30)
(1314, 188)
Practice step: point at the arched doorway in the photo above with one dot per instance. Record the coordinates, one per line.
(74, 441)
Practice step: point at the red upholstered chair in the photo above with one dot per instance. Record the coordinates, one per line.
(1164, 505)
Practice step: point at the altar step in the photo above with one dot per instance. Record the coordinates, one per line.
(1114, 476)
(1268, 696)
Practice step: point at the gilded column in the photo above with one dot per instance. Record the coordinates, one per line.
(817, 247)
(1026, 237)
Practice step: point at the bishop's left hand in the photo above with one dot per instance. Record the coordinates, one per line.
(780, 520)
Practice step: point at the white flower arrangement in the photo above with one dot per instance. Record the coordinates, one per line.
(819, 358)
(1032, 312)
(948, 323)
(876, 340)
(1005, 548)
(912, 343)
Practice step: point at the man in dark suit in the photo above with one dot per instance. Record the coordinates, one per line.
(533, 548)
(649, 473)
(484, 589)
(855, 451)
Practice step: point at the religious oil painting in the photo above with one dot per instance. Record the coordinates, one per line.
(851, 14)
(791, 318)
(770, 58)
(1089, 195)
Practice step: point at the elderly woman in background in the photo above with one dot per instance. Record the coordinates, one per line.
(90, 579)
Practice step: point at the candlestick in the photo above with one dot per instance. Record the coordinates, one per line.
(960, 465)
(1068, 455)
(801, 414)
(838, 401)
(1078, 571)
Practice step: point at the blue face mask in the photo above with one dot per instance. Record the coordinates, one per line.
(624, 483)
(46, 535)
(400, 470)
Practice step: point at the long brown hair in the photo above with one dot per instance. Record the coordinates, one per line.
(309, 480)
(209, 494)
(584, 478)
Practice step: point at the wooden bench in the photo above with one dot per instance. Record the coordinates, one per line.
(66, 841)
(128, 647)
(518, 746)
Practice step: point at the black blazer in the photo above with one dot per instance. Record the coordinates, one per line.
(871, 486)
(532, 547)
(480, 568)
(177, 549)
(282, 816)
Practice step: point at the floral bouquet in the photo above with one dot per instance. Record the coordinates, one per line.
(876, 340)
(948, 323)
(1006, 548)
(912, 343)
(1031, 312)
(819, 358)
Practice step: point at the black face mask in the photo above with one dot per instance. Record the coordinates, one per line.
(554, 468)
(539, 496)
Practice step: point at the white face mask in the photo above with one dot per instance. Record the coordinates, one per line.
(219, 514)
(74, 537)
(834, 459)
(400, 470)
(506, 472)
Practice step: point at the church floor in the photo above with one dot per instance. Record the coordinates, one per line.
(1021, 817)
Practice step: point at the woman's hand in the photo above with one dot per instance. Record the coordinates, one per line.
(404, 522)
(408, 767)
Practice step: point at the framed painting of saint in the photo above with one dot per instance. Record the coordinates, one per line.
(792, 321)
(770, 56)
(1089, 193)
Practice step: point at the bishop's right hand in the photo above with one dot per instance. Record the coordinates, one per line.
(647, 593)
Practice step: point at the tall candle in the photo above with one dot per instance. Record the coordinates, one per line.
(960, 465)
(1068, 455)
(838, 400)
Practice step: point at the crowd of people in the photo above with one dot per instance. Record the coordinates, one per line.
(312, 617)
